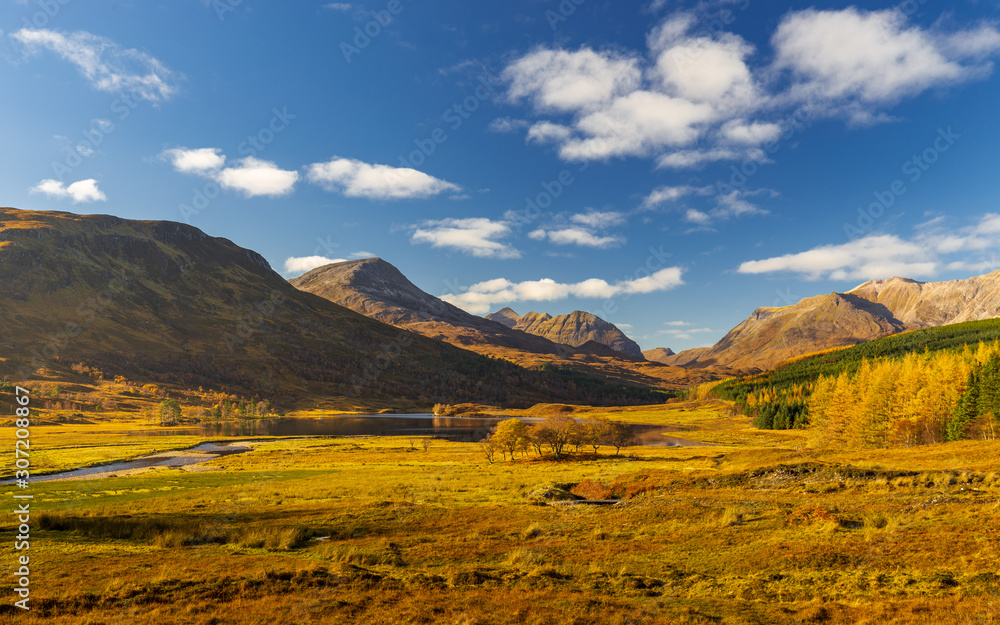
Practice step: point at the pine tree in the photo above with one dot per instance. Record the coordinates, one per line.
(967, 410)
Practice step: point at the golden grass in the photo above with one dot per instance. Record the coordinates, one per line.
(761, 529)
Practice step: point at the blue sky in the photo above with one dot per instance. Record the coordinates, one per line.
(669, 166)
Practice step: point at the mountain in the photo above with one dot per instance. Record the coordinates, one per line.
(869, 311)
(658, 354)
(504, 316)
(164, 302)
(932, 304)
(576, 329)
(376, 288)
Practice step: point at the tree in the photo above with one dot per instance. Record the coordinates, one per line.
(170, 412)
(511, 435)
(966, 411)
(535, 438)
(488, 448)
(578, 435)
(598, 432)
(556, 432)
(619, 435)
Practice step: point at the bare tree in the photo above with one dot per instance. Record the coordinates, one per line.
(488, 448)
(620, 435)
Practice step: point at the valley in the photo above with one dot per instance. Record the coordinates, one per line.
(756, 493)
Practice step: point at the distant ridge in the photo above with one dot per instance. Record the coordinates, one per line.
(377, 289)
(658, 354)
(871, 310)
(576, 329)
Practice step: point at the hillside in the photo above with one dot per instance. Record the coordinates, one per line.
(375, 288)
(658, 354)
(874, 309)
(930, 304)
(164, 302)
(803, 371)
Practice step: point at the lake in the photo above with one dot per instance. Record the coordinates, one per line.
(399, 425)
(421, 424)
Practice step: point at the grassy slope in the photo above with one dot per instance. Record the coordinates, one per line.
(730, 534)
(809, 368)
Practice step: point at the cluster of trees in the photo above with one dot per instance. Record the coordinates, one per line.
(917, 399)
(556, 434)
(775, 408)
(979, 407)
(781, 415)
(241, 409)
(917, 387)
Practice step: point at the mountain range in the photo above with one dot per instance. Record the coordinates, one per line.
(871, 310)
(164, 302)
(579, 341)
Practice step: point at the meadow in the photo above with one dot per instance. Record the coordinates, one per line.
(757, 528)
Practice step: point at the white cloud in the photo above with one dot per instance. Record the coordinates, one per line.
(727, 205)
(883, 256)
(704, 69)
(749, 133)
(687, 159)
(106, 65)
(507, 124)
(547, 132)
(253, 177)
(599, 219)
(686, 334)
(666, 195)
(568, 81)
(678, 324)
(80, 192)
(298, 265)
(733, 204)
(355, 178)
(482, 297)
(577, 236)
(250, 176)
(477, 236)
(871, 257)
(864, 58)
(977, 43)
(692, 98)
(582, 229)
(635, 125)
(195, 161)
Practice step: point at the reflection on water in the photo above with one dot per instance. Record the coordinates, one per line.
(416, 425)
(450, 428)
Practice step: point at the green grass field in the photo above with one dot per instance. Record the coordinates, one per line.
(757, 528)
